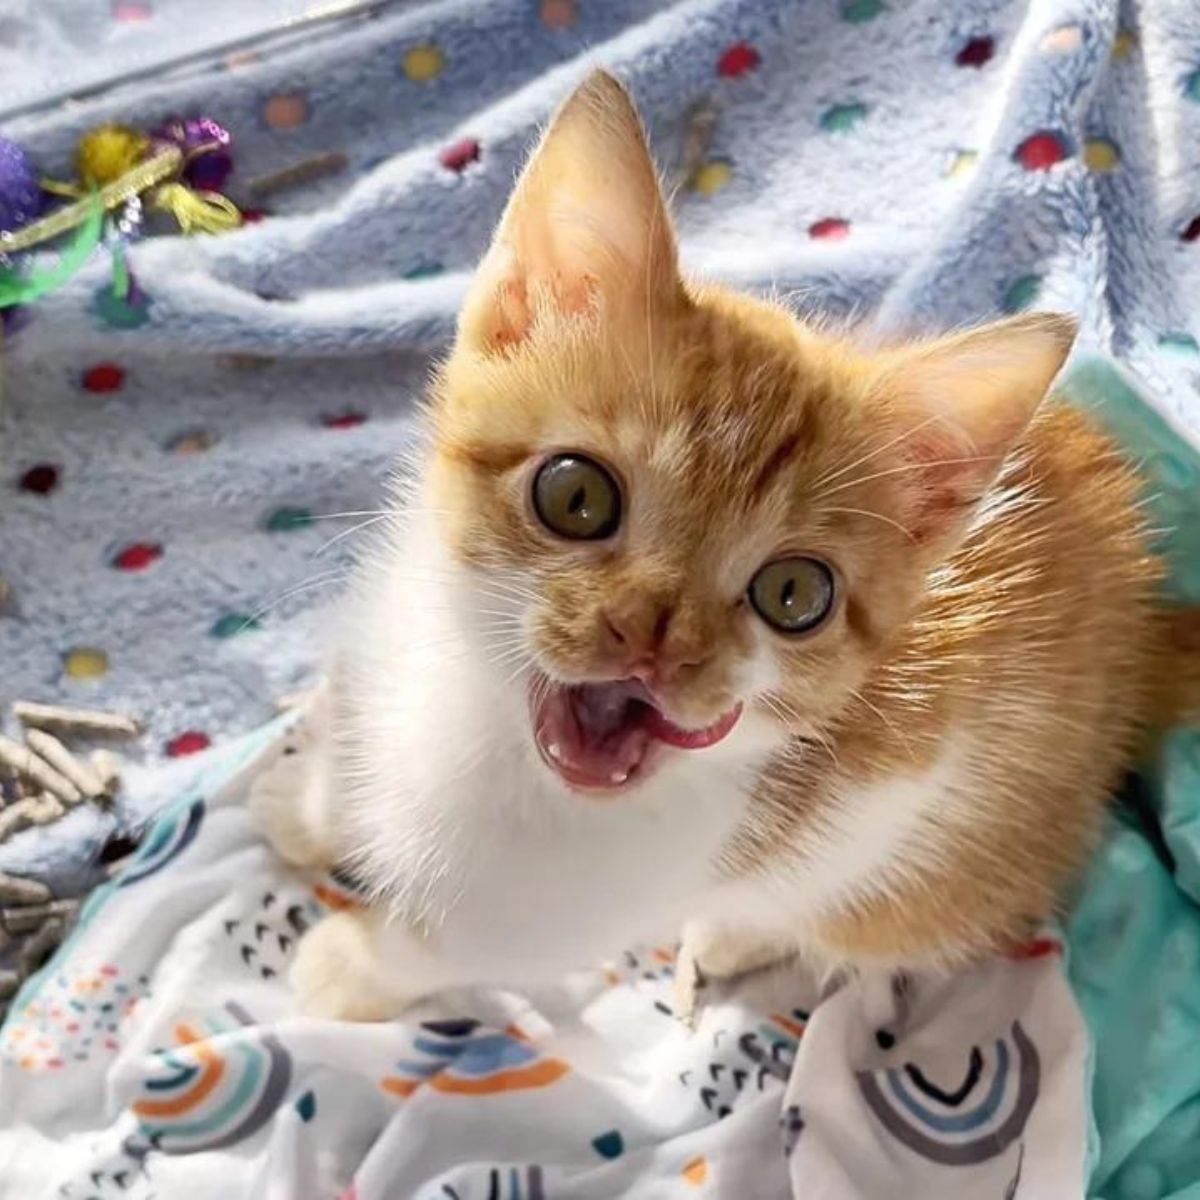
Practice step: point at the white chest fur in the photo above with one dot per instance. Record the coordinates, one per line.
(450, 812)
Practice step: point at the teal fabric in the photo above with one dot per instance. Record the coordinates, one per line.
(1134, 932)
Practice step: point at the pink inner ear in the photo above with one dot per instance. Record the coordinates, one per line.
(514, 311)
(944, 479)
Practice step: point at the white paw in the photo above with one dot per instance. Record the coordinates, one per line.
(709, 951)
(332, 974)
(285, 806)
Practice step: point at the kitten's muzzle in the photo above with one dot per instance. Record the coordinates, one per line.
(606, 736)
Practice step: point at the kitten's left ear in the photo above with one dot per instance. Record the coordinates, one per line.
(964, 402)
(586, 225)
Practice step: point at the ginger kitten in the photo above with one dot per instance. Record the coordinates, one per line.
(698, 616)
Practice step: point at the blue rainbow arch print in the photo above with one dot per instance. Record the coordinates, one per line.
(976, 1121)
(219, 1085)
(167, 840)
(462, 1058)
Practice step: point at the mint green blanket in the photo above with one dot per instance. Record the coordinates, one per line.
(1135, 929)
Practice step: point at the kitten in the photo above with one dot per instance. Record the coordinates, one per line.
(701, 617)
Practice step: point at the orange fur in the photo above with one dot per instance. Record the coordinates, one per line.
(996, 580)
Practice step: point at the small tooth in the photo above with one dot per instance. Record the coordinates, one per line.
(618, 777)
(554, 750)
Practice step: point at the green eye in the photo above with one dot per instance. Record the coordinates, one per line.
(577, 498)
(793, 595)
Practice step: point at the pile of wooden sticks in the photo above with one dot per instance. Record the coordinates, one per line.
(41, 778)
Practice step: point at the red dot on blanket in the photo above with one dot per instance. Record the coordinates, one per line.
(1192, 232)
(829, 229)
(559, 14)
(460, 155)
(103, 377)
(976, 52)
(41, 480)
(1041, 151)
(191, 742)
(740, 58)
(129, 12)
(137, 557)
(345, 420)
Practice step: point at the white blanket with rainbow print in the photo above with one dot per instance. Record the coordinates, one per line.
(160, 1055)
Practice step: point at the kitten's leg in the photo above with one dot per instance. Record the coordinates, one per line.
(290, 800)
(355, 966)
(713, 951)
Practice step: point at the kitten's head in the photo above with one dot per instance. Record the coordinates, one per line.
(680, 507)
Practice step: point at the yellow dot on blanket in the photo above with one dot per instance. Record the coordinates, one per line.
(962, 164)
(710, 177)
(696, 1172)
(1101, 155)
(423, 63)
(1123, 44)
(85, 662)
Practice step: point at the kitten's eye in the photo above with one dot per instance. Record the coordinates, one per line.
(577, 498)
(793, 595)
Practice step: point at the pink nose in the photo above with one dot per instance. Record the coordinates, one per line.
(642, 640)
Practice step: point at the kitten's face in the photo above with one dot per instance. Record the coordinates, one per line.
(679, 507)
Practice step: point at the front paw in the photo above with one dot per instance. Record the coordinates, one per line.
(333, 974)
(285, 804)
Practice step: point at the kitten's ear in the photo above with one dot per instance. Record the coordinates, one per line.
(586, 225)
(964, 401)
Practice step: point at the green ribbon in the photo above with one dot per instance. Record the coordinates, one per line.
(18, 288)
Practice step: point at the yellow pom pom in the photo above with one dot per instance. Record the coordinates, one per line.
(107, 153)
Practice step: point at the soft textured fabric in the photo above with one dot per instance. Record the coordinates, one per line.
(161, 1054)
(914, 165)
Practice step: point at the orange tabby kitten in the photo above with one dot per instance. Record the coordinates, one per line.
(702, 616)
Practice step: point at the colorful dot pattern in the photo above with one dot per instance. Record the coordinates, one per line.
(82, 1014)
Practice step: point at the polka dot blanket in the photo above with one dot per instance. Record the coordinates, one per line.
(173, 459)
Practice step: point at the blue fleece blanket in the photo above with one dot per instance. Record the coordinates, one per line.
(167, 461)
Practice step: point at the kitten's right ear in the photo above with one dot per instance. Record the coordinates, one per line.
(586, 227)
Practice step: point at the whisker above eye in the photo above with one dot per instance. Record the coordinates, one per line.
(915, 466)
(866, 512)
(839, 471)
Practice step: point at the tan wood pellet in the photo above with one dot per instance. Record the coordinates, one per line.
(23, 760)
(82, 774)
(33, 810)
(84, 720)
(107, 765)
(38, 948)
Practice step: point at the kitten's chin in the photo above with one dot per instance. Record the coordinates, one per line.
(607, 737)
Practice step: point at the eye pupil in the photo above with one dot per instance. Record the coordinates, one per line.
(793, 595)
(576, 498)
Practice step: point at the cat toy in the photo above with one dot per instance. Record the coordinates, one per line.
(178, 168)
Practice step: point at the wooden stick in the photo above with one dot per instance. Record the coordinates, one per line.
(81, 774)
(15, 889)
(34, 810)
(33, 955)
(35, 769)
(85, 720)
(107, 765)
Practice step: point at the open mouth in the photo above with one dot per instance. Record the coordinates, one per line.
(603, 736)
